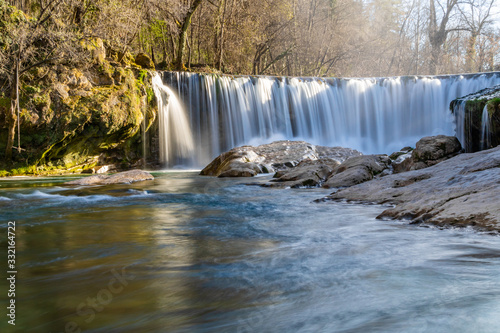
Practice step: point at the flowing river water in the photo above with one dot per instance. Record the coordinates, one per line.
(186, 253)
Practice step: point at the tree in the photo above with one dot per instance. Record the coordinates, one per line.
(475, 15)
(438, 30)
(28, 42)
(186, 22)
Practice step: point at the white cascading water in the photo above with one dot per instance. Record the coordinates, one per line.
(465, 121)
(373, 115)
(485, 129)
(176, 139)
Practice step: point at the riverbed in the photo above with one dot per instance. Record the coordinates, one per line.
(186, 253)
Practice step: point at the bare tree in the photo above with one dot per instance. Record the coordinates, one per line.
(476, 15)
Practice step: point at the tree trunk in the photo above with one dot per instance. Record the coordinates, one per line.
(11, 117)
(471, 52)
(438, 32)
(183, 35)
(220, 44)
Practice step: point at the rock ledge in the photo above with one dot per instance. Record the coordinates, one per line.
(461, 191)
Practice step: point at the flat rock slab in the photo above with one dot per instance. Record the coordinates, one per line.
(461, 191)
(125, 177)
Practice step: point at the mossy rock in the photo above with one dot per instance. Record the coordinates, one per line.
(70, 131)
(144, 61)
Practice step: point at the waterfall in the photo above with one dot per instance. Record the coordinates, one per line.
(485, 129)
(373, 115)
(176, 139)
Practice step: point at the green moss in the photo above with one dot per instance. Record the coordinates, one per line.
(41, 100)
(150, 96)
(31, 89)
(29, 170)
(5, 102)
(493, 105)
(70, 133)
(142, 74)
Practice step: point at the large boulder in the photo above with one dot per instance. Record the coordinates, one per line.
(125, 177)
(247, 161)
(428, 151)
(434, 149)
(358, 169)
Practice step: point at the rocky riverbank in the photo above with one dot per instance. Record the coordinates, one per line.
(433, 183)
(461, 191)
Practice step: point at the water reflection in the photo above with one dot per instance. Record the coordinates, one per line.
(192, 254)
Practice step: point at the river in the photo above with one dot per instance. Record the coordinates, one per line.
(186, 253)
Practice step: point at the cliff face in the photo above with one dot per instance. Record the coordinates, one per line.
(478, 119)
(74, 119)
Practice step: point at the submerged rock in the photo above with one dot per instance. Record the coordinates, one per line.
(460, 191)
(247, 161)
(125, 177)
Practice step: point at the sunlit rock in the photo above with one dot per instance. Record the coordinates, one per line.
(247, 161)
(460, 191)
(125, 177)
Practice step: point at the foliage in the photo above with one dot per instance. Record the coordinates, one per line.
(50, 41)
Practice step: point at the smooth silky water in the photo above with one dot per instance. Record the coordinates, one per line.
(200, 254)
(372, 115)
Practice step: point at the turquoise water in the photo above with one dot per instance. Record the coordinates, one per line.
(186, 253)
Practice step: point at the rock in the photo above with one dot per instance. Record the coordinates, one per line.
(99, 52)
(100, 169)
(144, 61)
(308, 173)
(469, 111)
(62, 90)
(460, 191)
(350, 177)
(433, 149)
(429, 151)
(358, 169)
(401, 160)
(241, 169)
(125, 177)
(104, 79)
(406, 151)
(247, 161)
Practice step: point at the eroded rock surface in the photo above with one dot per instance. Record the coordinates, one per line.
(125, 177)
(461, 191)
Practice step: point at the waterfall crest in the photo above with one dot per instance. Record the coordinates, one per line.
(373, 115)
